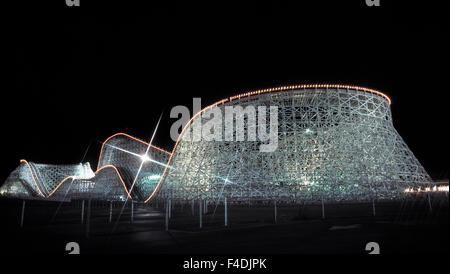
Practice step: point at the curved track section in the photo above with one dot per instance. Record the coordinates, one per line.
(126, 153)
(108, 185)
(118, 165)
(335, 142)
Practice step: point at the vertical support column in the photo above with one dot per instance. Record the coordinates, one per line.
(22, 215)
(226, 211)
(82, 211)
(110, 211)
(200, 204)
(167, 215)
(205, 207)
(132, 211)
(373, 207)
(323, 209)
(169, 204)
(88, 218)
(192, 206)
(429, 202)
(275, 210)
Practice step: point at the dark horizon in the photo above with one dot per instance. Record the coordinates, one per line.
(82, 77)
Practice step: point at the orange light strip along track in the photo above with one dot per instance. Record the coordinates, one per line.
(307, 86)
(257, 92)
(32, 176)
(96, 172)
(73, 177)
(128, 136)
(98, 169)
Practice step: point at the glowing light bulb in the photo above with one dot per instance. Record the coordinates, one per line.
(145, 158)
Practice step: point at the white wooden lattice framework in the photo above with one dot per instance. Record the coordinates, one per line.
(335, 143)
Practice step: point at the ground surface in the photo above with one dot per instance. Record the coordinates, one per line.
(403, 227)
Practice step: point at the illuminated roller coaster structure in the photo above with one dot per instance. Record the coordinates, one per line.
(118, 163)
(335, 142)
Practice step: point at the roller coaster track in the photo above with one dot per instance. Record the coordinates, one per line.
(253, 93)
(99, 168)
(229, 99)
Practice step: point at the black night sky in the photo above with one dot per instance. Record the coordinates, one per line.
(83, 75)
